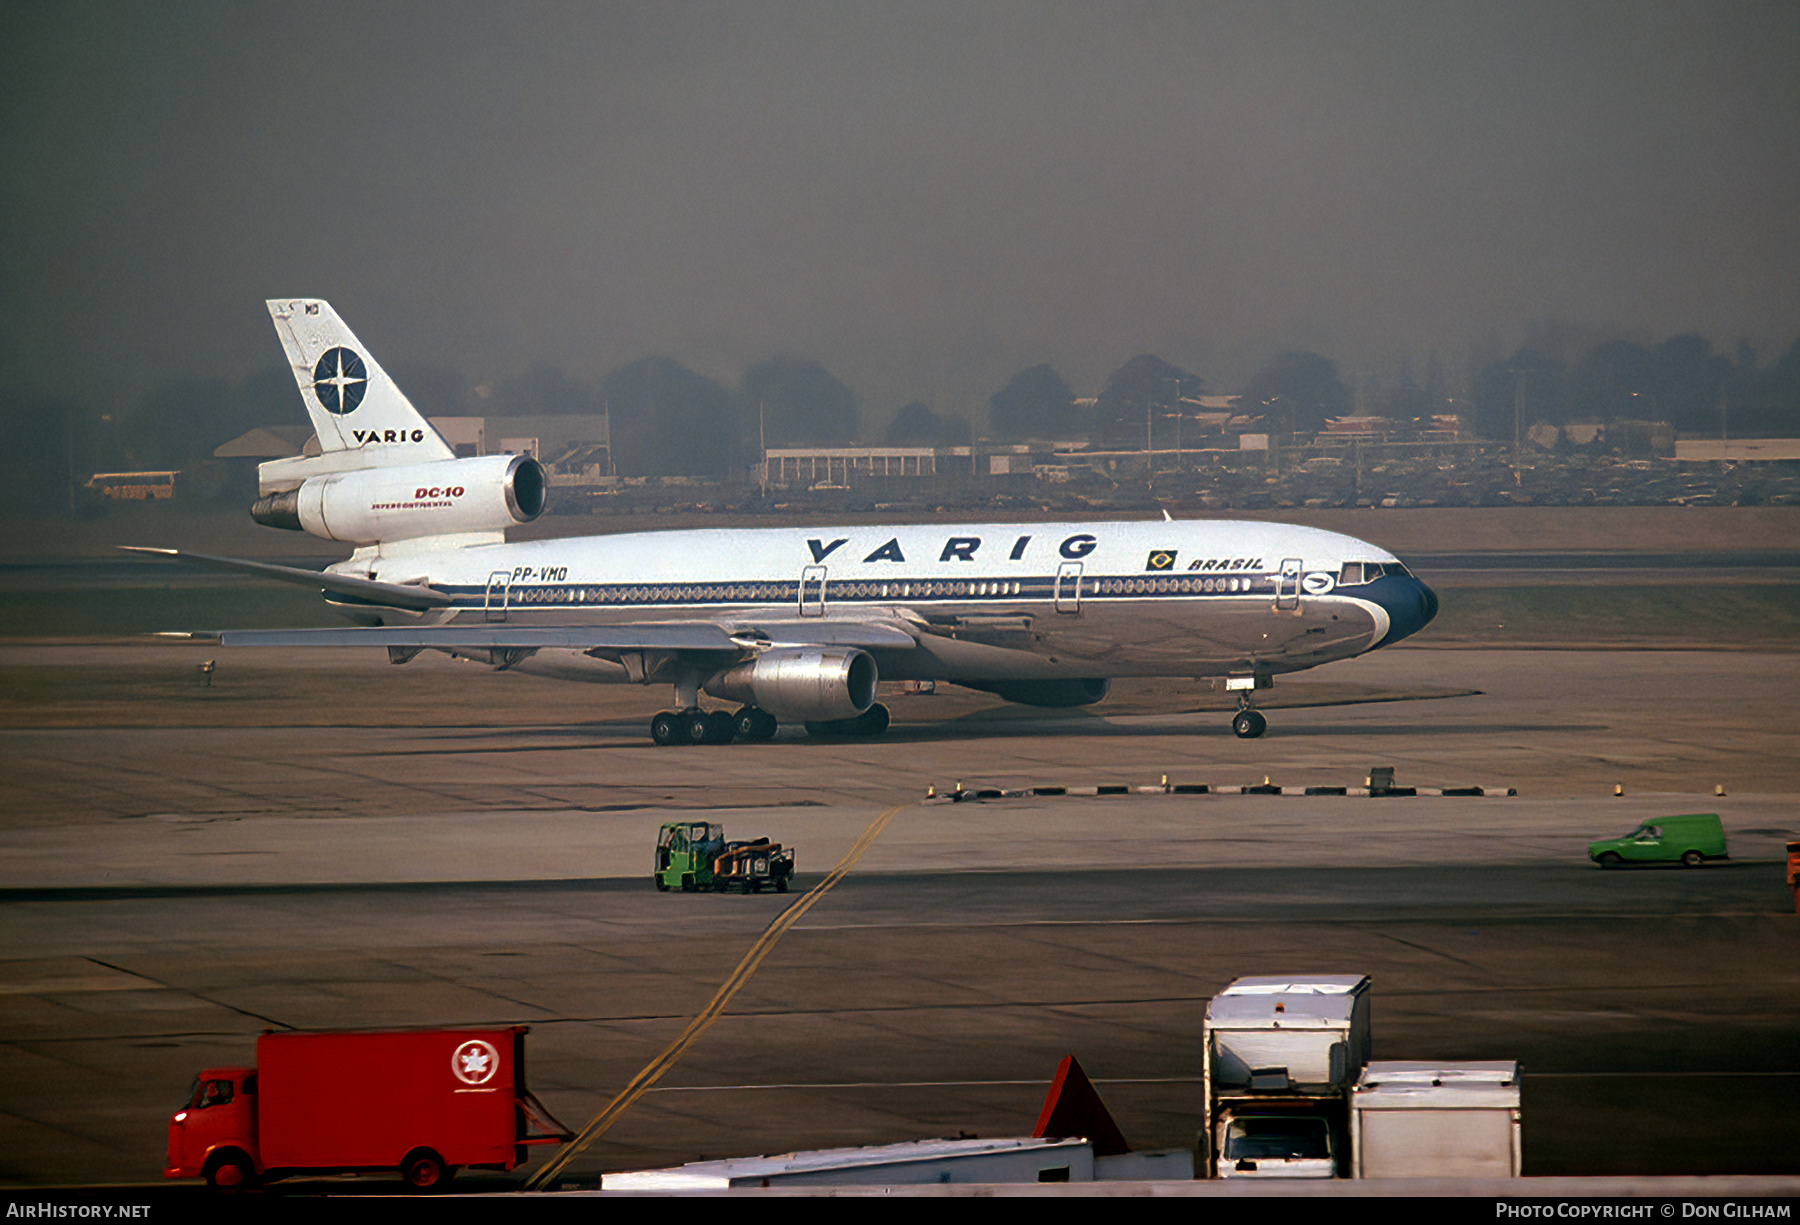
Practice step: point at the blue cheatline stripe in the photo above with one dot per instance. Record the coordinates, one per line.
(978, 590)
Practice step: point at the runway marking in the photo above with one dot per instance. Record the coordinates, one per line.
(1414, 944)
(203, 998)
(660, 1066)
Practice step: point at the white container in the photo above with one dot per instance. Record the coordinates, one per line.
(1436, 1120)
(1297, 1035)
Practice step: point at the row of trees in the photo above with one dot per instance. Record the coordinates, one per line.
(668, 420)
(1556, 377)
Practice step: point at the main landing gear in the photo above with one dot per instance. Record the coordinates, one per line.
(696, 726)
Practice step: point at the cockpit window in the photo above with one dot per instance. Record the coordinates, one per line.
(1356, 573)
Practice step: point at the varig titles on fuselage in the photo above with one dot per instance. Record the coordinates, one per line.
(1071, 548)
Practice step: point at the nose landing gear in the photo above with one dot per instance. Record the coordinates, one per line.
(1248, 723)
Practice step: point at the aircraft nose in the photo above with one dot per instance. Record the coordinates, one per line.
(1410, 606)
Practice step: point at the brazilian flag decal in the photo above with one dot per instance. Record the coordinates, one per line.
(1160, 559)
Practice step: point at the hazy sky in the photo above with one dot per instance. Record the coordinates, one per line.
(925, 197)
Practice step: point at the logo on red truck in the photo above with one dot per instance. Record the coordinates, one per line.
(475, 1062)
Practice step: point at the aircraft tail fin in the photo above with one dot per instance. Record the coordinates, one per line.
(353, 403)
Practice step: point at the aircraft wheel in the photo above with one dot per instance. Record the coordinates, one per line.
(755, 723)
(1249, 724)
(692, 727)
(871, 722)
(662, 727)
(720, 727)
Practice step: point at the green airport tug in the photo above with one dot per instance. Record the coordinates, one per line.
(694, 856)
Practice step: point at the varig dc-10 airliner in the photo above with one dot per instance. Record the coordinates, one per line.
(787, 625)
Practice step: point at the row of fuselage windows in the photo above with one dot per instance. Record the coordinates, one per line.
(738, 593)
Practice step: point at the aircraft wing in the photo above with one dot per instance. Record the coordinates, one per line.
(885, 633)
(723, 636)
(394, 595)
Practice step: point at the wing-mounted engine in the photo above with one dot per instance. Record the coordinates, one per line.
(810, 684)
(484, 494)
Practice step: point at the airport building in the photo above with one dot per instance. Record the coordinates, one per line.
(846, 467)
(1738, 450)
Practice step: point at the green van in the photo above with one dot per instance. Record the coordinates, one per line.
(1690, 840)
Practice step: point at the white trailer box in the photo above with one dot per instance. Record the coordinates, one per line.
(1436, 1120)
(1287, 1035)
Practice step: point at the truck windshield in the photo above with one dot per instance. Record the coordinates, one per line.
(1276, 1138)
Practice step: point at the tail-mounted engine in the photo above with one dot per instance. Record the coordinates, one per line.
(488, 493)
(802, 684)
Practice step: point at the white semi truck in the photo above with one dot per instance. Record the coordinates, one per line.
(1279, 1058)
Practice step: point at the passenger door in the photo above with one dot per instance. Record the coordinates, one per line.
(499, 593)
(812, 591)
(1287, 585)
(1068, 587)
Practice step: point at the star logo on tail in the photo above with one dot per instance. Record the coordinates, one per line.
(339, 380)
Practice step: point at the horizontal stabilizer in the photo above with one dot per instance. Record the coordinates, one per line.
(391, 595)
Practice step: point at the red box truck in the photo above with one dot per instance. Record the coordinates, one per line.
(419, 1102)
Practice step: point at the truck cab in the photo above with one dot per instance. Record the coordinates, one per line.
(214, 1135)
(685, 851)
(1276, 1146)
